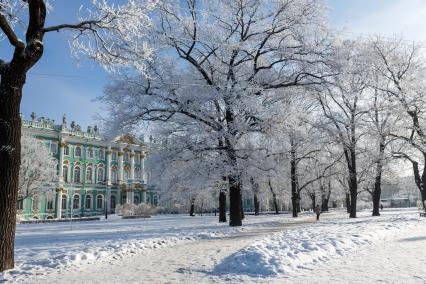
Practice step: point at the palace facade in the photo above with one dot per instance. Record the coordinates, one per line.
(94, 174)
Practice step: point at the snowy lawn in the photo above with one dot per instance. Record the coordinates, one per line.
(40, 247)
(181, 249)
(305, 248)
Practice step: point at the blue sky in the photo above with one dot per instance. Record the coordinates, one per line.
(58, 84)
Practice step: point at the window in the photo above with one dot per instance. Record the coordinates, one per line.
(76, 202)
(66, 150)
(64, 201)
(138, 159)
(101, 154)
(36, 202)
(90, 153)
(126, 157)
(77, 151)
(20, 203)
(49, 202)
(65, 173)
(138, 173)
(114, 156)
(101, 175)
(53, 148)
(114, 176)
(77, 172)
(126, 175)
(99, 202)
(113, 202)
(123, 198)
(88, 202)
(136, 200)
(89, 174)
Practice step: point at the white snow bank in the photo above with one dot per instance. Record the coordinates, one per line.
(304, 247)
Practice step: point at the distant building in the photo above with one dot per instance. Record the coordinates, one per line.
(94, 174)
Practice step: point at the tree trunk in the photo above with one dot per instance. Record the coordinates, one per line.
(192, 209)
(313, 202)
(295, 199)
(256, 204)
(378, 181)
(234, 201)
(274, 198)
(325, 198)
(222, 206)
(348, 202)
(242, 208)
(10, 157)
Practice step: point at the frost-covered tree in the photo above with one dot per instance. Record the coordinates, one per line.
(38, 168)
(111, 34)
(343, 102)
(402, 69)
(221, 65)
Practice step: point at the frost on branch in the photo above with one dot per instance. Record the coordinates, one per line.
(117, 35)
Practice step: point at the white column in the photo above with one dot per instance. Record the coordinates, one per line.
(132, 165)
(120, 166)
(61, 161)
(129, 197)
(143, 175)
(59, 203)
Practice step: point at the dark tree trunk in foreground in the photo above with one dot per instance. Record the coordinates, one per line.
(222, 206)
(325, 198)
(12, 80)
(11, 86)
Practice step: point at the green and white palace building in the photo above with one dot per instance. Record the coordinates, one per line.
(94, 174)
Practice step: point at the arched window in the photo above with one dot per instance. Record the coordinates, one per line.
(90, 153)
(101, 154)
(89, 174)
(114, 175)
(99, 201)
(88, 201)
(77, 173)
(76, 201)
(126, 175)
(114, 156)
(66, 150)
(36, 202)
(50, 200)
(123, 198)
(101, 175)
(136, 200)
(113, 202)
(126, 157)
(65, 173)
(77, 151)
(64, 201)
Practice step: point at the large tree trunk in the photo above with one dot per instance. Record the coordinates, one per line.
(222, 206)
(325, 198)
(242, 207)
(313, 201)
(11, 85)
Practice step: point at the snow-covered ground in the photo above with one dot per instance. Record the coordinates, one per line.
(181, 249)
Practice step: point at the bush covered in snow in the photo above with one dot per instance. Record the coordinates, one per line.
(135, 210)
